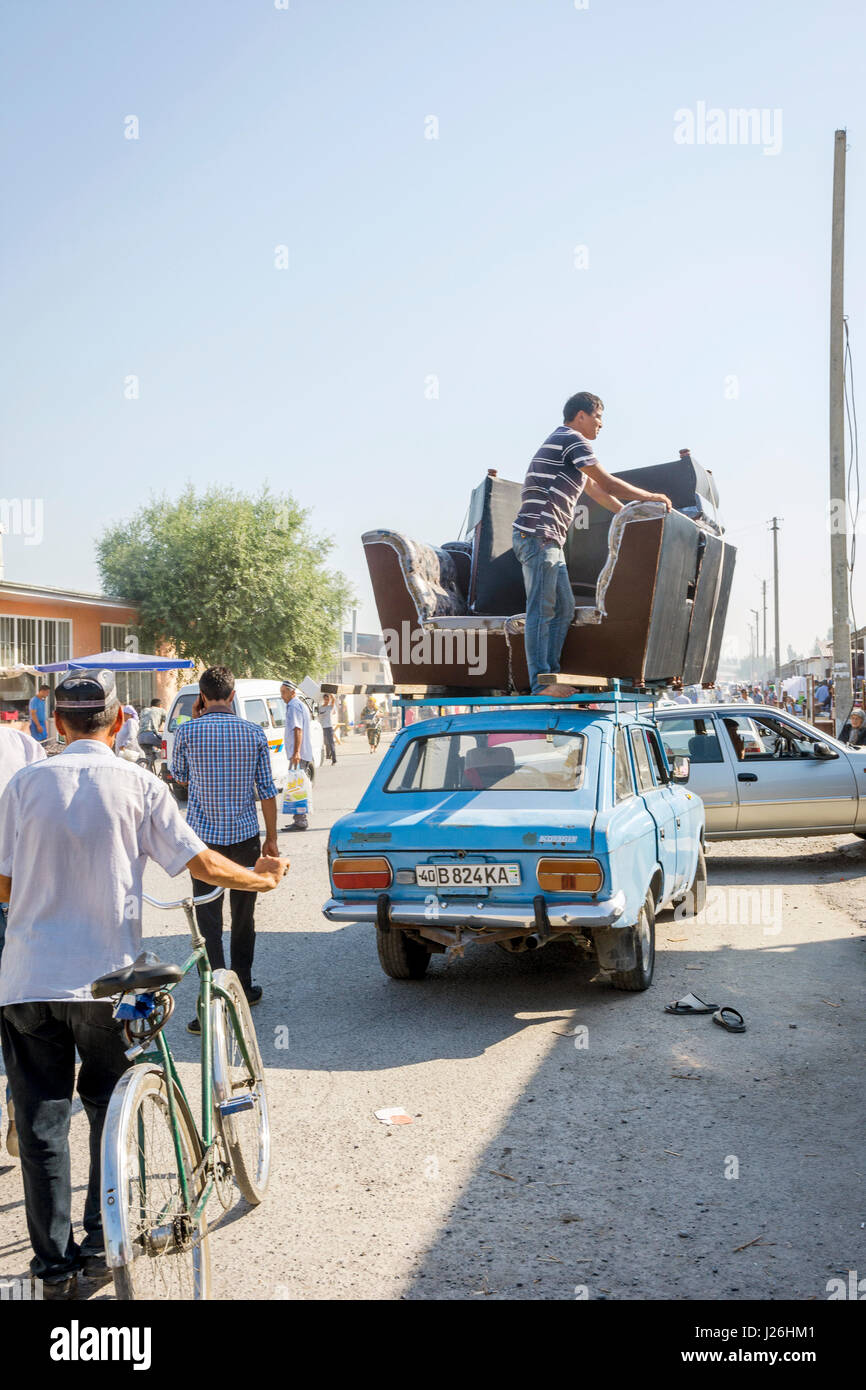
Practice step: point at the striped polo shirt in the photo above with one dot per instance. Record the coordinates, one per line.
(553, 485)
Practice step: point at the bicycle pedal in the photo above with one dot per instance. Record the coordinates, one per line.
(237, 1103)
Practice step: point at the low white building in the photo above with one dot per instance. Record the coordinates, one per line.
(361, 662)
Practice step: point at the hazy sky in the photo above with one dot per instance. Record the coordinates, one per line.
(697, 308)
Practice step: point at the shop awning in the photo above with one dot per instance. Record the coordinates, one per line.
(120, 661)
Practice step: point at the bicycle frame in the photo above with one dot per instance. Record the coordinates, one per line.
(162, 1056)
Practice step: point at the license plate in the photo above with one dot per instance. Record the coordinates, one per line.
(467, 875)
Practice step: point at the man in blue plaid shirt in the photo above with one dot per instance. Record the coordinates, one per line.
(225, 760)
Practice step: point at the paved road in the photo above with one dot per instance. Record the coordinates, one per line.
(632, 1167)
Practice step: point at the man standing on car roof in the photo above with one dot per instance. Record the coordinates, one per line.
(562, 468)
(75, 915)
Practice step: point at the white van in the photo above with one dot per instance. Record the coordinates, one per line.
(261, 703)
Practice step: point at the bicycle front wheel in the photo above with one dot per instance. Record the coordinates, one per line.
(154, 1248)
(240, 1096)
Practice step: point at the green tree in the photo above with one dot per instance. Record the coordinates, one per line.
(230, 580)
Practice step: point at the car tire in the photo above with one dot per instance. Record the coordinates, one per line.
(695, 899)
(644, 936)
(399, 956)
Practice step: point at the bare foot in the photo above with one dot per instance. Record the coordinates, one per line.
(560, 691)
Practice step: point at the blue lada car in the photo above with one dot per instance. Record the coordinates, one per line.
(521, 825)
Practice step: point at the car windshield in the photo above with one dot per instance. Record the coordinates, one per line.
(499, 760)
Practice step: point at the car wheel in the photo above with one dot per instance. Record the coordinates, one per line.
(400, 956)
(644, 937)
(695, 899)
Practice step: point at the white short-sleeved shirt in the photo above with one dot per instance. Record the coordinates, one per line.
(298, 717)
(17, 750)
(75, 833)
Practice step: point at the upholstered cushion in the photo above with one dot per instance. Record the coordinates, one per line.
(632, 511)
(431, 574)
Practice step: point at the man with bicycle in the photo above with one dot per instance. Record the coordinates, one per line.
(74, 915)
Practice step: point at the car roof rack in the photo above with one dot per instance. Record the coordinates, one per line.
(604, 692)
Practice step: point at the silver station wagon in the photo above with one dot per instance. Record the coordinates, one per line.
(761, 772)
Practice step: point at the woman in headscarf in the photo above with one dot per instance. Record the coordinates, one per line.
(126, 744)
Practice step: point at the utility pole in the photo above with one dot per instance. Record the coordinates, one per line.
(757, 648)
(838, 495)
(764, 605)
(774, 526)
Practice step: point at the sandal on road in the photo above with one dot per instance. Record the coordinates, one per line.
(690, 1004)
(730, 1019)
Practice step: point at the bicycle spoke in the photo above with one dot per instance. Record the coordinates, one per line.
(163, 1240)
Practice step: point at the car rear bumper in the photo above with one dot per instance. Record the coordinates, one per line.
(561, 916)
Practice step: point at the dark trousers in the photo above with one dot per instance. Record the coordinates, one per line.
(329, 744)
(243, 908)
(39, 1044)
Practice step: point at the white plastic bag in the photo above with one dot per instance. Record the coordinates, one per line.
(298, 794)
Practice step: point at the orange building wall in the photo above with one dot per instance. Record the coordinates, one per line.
(86, 620)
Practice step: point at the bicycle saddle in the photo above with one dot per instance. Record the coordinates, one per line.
(145, 973)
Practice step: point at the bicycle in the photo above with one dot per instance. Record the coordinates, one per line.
(159, 1169)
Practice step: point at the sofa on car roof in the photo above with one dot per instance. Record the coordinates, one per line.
(651, 588)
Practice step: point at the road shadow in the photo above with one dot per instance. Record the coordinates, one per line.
(465, 1006)
(847, 860)
(657, 1157)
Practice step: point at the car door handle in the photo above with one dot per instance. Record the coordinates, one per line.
(747, 777)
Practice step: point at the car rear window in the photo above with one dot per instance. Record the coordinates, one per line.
(497, 760)
(691, 738)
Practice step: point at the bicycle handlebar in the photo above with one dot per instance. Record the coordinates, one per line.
(182, 902)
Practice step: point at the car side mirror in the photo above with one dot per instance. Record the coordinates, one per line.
(682, 767)
(823, 750)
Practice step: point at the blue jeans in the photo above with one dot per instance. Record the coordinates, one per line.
(39, 1044)
(549, 603)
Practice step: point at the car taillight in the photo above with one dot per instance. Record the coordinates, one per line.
(164, 749)
(569, 875)
(361, 873)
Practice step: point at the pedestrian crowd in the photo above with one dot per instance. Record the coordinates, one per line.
(74, 914)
